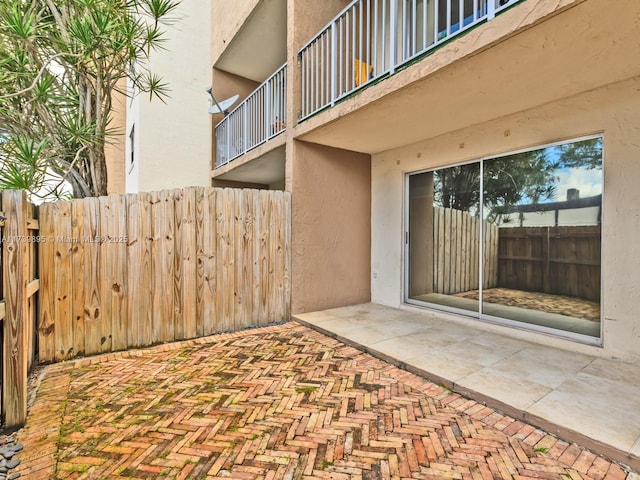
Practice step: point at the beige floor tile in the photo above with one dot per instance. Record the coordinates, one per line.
(479, 353)
(609, 393)
(605, 423)
(494, 340)
(443, 366)
(628, 373)
(400, 349)
(520, 392)
(542, 365)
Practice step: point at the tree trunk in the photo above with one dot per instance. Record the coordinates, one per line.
(99, 187)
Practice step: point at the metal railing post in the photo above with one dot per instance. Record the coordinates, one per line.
(334, 64)
(244, 126)
(393, 35)
(267, 108)
(283, 98)
(491, 9)
(228, 159)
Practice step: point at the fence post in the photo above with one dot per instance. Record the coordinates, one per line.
(15, 266)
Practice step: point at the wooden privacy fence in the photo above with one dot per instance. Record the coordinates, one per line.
(456, 250)
(135, 270)
(18, 256)
(556, 260)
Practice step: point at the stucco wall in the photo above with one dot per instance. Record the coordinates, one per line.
(226, 20)
(227, 84)
(614, 111)
(174, 137)
(116, 146)
(330, 226)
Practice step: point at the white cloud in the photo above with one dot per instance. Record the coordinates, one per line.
(589, 182)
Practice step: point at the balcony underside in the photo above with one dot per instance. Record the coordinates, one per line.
(247, 55)
(533, 54)
(258, 166)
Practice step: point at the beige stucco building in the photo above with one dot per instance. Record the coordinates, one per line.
(167, 144)
(413, 133)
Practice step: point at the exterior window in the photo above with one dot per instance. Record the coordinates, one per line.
(514, 239)
(132, 150)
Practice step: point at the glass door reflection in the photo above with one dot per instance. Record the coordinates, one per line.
(514, 239)
(543, 265)
(444, 237)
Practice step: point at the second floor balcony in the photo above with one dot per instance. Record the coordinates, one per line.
(370, 39)
(261, 116)
(433, 67)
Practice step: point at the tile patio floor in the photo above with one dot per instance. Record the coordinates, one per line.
(279, 402)
(594, 401)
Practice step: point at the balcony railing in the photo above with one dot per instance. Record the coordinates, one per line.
(261, 116)
(372, 38)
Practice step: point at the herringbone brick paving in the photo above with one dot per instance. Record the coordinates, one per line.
(281, 402)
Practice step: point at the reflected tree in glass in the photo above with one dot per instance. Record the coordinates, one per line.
(444, 240)
(547, 207)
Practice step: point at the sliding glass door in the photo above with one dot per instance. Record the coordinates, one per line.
(514, 239)
(444, 236)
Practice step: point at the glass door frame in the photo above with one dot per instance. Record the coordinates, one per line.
(479, 315)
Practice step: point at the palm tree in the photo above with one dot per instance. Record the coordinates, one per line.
(61, 63)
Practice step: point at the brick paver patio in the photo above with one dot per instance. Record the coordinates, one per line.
(280, 402)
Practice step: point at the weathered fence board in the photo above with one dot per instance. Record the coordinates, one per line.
(95, 324)
(138, 293)
(456, 250)
(185, 273)
(46, 256)
(62, 284)
(160, 299)
(557, 260)
(128, 271)
(15, 267)
(18, 255)
(77, 274)
(224, 213)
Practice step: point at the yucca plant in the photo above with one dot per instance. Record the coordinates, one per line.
(61, 62)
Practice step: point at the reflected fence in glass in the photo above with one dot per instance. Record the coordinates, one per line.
(515, 239)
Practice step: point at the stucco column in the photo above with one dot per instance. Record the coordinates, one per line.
(331, 228)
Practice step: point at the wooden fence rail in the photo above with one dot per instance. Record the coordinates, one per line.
(135, 270)
(18, 256)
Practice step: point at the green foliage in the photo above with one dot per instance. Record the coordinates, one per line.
(61, 62)
(529, 177)
(585, 154)
(510, 180)
(26, 171)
